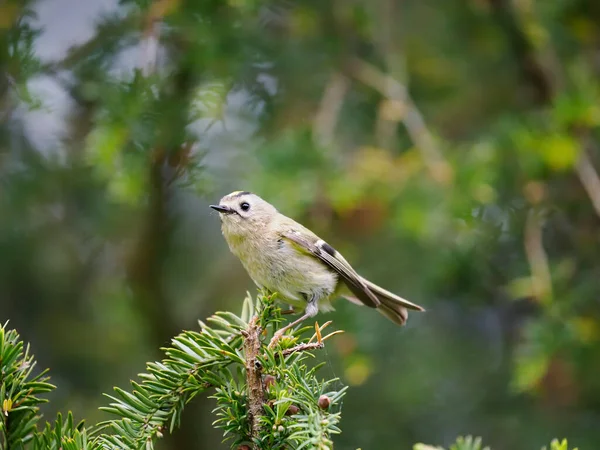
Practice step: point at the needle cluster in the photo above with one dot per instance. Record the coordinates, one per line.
(265, 397)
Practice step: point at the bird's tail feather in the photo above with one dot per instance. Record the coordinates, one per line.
(393, 311)
(392, 306)
(384, 295)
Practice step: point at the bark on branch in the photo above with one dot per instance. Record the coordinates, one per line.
(256, 394)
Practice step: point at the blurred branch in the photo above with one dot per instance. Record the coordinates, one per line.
(533, 66)
(589, 178)
(168, 159)
(150, 46)
(110, 35)
(327, 115)
(145, 267)
(389, 41)
(537, 257)
(403, 109)
(151, 33)
(386, 124)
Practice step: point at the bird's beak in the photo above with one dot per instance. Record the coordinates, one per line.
(222, 209)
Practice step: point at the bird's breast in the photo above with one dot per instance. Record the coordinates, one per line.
(279, 267)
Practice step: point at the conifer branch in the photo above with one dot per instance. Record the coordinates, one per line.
(265, 398)
(19, 391)
(256, 396)
(303, 348)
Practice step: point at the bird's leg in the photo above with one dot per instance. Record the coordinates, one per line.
(311, 310)
(282, 331)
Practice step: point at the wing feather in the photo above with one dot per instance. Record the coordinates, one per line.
(336, 261)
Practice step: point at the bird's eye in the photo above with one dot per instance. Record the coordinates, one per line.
(245, 206)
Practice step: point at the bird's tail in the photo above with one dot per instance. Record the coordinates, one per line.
(392, 306)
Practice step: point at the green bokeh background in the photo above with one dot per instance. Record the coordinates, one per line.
(447, 148)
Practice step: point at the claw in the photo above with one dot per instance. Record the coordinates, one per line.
(282, 331)
(275, 338)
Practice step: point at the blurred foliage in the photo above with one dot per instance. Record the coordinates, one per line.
(471, 443)
(448, 149)
(462, 443)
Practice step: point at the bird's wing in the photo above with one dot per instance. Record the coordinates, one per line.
(327, 254)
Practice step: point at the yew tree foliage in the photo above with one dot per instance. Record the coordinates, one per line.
(299, 409)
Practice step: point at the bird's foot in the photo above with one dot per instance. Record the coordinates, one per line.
(276, 337)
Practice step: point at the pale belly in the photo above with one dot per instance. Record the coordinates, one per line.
(296, 277)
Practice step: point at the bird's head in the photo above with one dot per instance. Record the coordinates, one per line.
(243, 212)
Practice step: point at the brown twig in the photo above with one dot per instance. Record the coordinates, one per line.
(303, 348)
(310, 345)
(256, 394)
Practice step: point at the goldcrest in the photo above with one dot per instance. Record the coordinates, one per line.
(282, 256)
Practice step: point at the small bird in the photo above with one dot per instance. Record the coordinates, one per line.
(282, 256)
